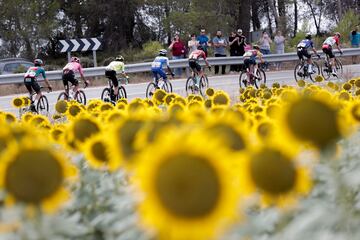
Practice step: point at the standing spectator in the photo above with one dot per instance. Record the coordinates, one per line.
(178, 52)
(220, 44)
(203, 40)
(280, 46)
(193, 44)
(265, 42)
(234, 44)
(355, 42)
(242, 41)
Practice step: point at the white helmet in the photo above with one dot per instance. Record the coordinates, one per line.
(163, 52)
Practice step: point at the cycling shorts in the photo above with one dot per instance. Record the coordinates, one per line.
(111, 74)
(31, 84)
(302, 52)
(248, 62)
(69, 76)
(158, 73)
(328, 51)
(194, 65)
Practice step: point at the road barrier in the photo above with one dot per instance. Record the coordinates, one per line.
(145, 67)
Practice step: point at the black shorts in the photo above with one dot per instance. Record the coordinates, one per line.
(69, 76)
(248, 62)
(111, 74)
(328, 51)
(31, 84)
(194, 65)
(302, 52)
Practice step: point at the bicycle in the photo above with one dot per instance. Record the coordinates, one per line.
(162, 83)
(108, 92)
(326, 69)
(190, 86)
(257, 78)
(301, 70)
(42, 106)
(79, 96)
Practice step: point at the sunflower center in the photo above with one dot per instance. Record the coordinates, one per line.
(98, 149)
(84, 128)
(127, 134)
(61, 106)
(355, 111)
(188, 186)
(221, 99)
(234, 140)
(74, 110)
(311, 120)
(273, 172)
(33, 176)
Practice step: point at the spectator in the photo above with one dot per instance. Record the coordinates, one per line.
(265, 42)
(234, 44)
(220, 44)
(193, 44)
(203, 40)
(279, 46)
(242, 40)
(355, 42)
(178, 52)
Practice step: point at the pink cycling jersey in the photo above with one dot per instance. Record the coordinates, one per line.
(75, 67)
(197, 54)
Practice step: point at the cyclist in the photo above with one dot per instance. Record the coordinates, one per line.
(194, 63)
(157, 66)
(250, 60)
(328, 47)
(68, 75)
(303, 51)
(116, 67)
(30, 81)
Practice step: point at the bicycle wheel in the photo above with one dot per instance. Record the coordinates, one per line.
(106, 95)
(122, 93)
(339, 67)
(260, 78)
(63, 96)
(243, 80)
(169, 86)
(299, 72)
(325, 70)
(315, 72)
(204, 83)
(190, 86)
(150, 90)
(202, 86)
(42, 106)
(80, 97)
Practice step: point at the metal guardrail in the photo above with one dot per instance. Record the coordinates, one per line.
(145, 67)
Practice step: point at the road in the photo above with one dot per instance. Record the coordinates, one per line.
(229, 83)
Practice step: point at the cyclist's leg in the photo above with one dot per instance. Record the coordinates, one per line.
(37, 89)
(247, 67)
(309, 61)
(115, 82)
(155, 76)
(65, 83)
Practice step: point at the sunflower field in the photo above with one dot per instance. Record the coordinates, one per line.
(279, 163)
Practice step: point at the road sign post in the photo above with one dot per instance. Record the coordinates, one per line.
(80, 45)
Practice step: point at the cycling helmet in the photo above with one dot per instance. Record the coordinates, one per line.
(38, 62)
(256, 47)
(338, 34)
(163, 52)
(308, 36)
(119, 58)
(75, 59)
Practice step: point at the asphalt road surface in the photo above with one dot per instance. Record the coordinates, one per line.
(229, 83)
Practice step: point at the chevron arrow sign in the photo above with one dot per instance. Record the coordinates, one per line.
(80, 45)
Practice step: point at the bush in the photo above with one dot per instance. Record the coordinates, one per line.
(149, 51)
(20, 69)
(350, 20)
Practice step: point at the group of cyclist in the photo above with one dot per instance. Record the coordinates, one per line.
(117, 66)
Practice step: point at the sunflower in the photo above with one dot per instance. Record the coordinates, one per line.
(319, 78)
(35, 175)
(301, 83)
(26, 117)
(357, 83)
(82, 128)
(188, 192)
(9, 118)
(26, 101)
(347, 86)
(18, 102)
(210, 92)
(57, 133)
(221, 98)
(73, 110)
(159, 96)
(98, 155)
(313, 120)
(273, 171)
(61, 106)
